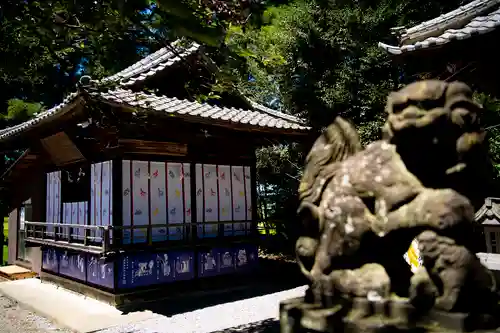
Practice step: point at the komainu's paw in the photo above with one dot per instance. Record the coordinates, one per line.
(423, 292)
(369, 279)
(446, 303)
(373, 280)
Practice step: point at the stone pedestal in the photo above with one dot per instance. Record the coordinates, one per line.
(363, 316)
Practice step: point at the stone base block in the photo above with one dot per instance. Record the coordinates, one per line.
(359, 315)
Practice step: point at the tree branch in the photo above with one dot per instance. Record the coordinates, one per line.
(58, 20)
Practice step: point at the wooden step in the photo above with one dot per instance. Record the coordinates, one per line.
(14, 272)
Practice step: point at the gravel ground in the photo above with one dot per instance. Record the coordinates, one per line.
(251, 315)
(15, 319)
(256, 315)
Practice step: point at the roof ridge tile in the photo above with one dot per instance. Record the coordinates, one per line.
(478, 26)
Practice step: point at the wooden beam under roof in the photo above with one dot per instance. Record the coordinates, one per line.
(61, 149)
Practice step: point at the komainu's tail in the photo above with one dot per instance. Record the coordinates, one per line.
(339, 141)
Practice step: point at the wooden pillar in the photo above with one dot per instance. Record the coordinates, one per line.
(194, 209)
(253, 173)
(13, 228)
(117, 200)
(487, 239)
(117, 204)
(38, 201)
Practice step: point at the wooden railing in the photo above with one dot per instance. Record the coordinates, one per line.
(60, 235)
(104, 239)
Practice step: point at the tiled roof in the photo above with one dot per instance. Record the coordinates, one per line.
(262, 117)
(476, 18)
(438, 25)
(163, 58)
(274, 113)
(152, 64)
(489, 213)
(67, 103)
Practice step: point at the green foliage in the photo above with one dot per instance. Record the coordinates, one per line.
(19, 110)
(319, 59)
(45, 43)
(278, 176)
(5, 236)
(491, 122)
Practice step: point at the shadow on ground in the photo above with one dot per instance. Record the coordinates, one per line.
(273, 276)
(264, 326)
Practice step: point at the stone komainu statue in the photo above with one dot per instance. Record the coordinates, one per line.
(361, 208)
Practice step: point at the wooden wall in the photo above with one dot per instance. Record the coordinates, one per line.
(33, 187)
(159, 138)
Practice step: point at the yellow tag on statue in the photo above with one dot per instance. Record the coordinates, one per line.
(412, 256)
